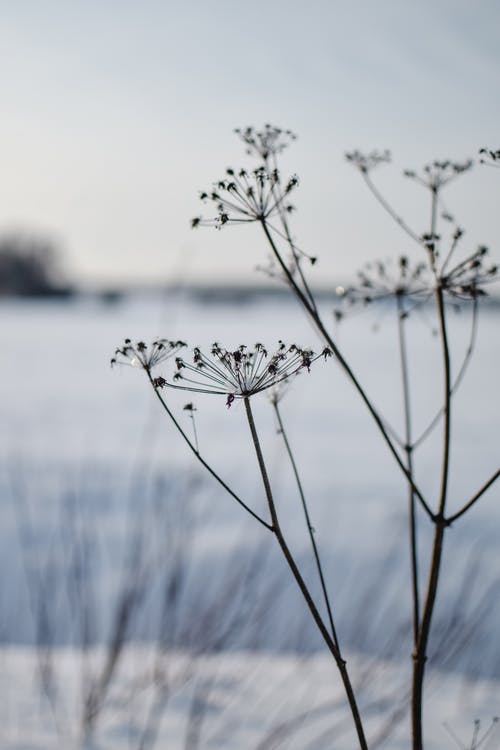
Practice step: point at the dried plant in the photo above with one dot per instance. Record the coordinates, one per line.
(240, 373)
(260, 196)
(477, 740)
(245, 197)
(144, 356)
(265, 144)
(490, 157)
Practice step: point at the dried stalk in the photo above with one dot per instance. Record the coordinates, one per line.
(341, 663)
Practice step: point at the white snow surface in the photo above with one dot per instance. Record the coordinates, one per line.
(237, 701)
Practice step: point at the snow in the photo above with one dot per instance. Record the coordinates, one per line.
(238, 700)
(96, 488)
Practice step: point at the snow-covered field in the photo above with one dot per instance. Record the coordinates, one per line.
(227, 701)
(100, 501)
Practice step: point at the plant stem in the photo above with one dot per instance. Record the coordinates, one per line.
(343, 363)
(409, 464)
(288, 237)
(475, 498)
(447, 402)
(196, 445)
(309, 525)
(461, 372)
(202, 460)
(420, 653)
(341, 664)
(387, 207)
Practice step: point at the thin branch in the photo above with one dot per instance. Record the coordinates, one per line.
(393, 433)
(294, 249)
(447, 402)
(409, 463)
(202, 460)
(388, 208)
(343, 363)
(461, 373)
(474, 499)
(341, 664)
(309, 525)
(420, 653)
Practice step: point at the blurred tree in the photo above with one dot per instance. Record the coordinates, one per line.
(30, 266)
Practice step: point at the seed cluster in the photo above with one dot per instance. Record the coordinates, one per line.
(241, 372)
(142, 355)
(246, 196)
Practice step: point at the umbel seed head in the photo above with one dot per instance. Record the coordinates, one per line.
(144, 356)
(241, 372)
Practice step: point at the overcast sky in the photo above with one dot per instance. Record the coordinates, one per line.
(115, 113)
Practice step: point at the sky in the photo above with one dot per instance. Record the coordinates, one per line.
(116, 114)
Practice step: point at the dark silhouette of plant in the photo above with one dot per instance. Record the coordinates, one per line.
(243, 373)
(477, 740)
(464, 280)
(262, 197)
(410, 286)
(490, 157)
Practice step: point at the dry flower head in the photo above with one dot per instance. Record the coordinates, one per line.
(146, 356)
(242, 372)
